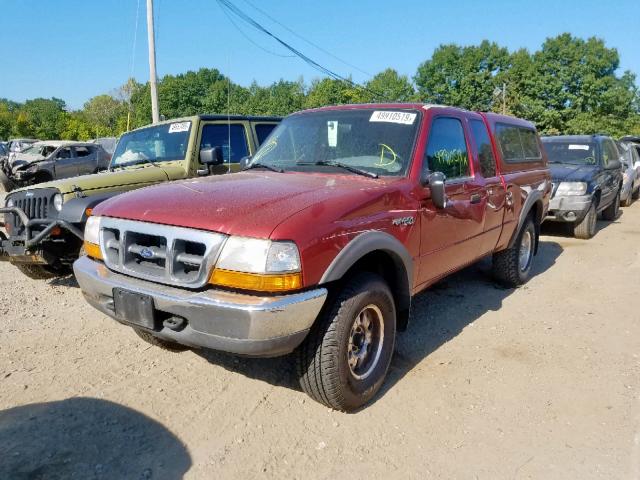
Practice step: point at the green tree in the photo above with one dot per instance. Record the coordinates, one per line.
(103, 115)
(328, 91)
(463, 76)
(388, 86)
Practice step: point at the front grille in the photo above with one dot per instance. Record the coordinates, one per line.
(36, 204)
(160, 253)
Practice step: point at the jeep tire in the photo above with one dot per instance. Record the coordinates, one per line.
(586, 229)
(158, 342)
(344, 360)
(512, 266)
(611, 212)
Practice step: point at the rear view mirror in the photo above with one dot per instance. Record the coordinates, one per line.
(436, 183)
(211, 156)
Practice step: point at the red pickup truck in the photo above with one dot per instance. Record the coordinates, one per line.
(317, 248)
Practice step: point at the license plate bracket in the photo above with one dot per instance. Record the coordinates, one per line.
(135, 308)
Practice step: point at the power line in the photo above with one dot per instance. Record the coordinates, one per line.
(249, 20)
(327, 52)
(249, 39)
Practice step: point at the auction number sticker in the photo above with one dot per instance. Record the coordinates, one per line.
(403, 118)
(578, 147)
(179, 127)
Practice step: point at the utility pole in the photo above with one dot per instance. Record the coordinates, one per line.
(504, 98)
(155, 115)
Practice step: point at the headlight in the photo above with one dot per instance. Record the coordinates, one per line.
(10, 203)
(259, 265)
(92, 238)
(57, 201)
(572, 188)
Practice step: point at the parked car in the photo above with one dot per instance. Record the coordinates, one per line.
(587, 180)
(46, 161)
(44, 222)
(342, 216)
(630, 158)
(17, 145)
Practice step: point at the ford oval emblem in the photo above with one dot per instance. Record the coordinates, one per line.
(146, 253)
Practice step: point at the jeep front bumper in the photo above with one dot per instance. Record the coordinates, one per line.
(570, 208)
(238, 323)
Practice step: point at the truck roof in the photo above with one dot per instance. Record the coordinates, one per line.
(209, 117)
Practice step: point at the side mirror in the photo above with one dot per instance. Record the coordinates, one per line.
(435, 181)
(211, 156)
(614, 164)
(244, 162)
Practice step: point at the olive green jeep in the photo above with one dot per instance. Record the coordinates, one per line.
(44, 223)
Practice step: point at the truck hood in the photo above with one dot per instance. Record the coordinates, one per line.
(106, 181)
(573, 173)
(249, 204)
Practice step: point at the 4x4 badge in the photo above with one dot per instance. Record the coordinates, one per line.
(403, 221)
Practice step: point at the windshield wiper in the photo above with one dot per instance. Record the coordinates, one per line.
(263, 165)
(331, 163)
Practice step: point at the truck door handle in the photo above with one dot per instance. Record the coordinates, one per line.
(475, 198)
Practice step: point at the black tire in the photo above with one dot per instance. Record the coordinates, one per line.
(506, 263)
(635, 194)
(628, 201)
(586, 229)
(611, 212)
(42, 272)
(324, 358)
(158, 342)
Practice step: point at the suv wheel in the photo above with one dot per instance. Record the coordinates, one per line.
(611, 212)
(586, 229)
(635, 194)
(158, 342)
(344, 359)
(628, 201)
(512, 266)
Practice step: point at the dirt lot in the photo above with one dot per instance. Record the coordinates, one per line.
(539, 382)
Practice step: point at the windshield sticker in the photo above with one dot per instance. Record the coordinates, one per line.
(179, 127)
(332, 133)
(403, 118)
(579, 147)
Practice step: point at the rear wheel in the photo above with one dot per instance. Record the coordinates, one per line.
(343, 361)
(611, 212)
(586, 229)
(158, 342)
(635, 194)
(512, 266)
(628, 201)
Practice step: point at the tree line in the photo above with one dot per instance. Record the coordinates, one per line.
(569, 85)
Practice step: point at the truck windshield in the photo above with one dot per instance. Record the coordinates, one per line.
(161, 143)
(573, 153)
(377, 141)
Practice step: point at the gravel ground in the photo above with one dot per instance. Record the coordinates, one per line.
(539, 382)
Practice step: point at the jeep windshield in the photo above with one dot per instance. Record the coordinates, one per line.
(572, 153)
(159, 143)
(377, 141)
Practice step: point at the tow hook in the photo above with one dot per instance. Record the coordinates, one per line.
(174, 323)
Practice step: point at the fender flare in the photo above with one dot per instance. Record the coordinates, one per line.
(74, 210)
(533, 197)
(369, 242)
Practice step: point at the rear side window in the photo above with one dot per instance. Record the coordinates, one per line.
(447, 148)
(485, 151)
(609, 151)
(220, 135)
(518, 144)
(263, 130)
(83, 151)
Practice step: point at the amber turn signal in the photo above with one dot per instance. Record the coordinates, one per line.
(92, 250)
(256, 282)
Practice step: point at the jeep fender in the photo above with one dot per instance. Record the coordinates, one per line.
(533, 197)
(74, 211)
(369, 242)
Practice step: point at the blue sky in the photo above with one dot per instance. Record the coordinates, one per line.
(75, 49)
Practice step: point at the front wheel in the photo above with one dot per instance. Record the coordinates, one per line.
(343, 361)
(611, 212)
(586, 229)
(512, 266)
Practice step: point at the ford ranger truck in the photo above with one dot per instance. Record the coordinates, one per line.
(341, 217)
(44, 223)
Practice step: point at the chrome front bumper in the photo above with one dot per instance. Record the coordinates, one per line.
(215, 319)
